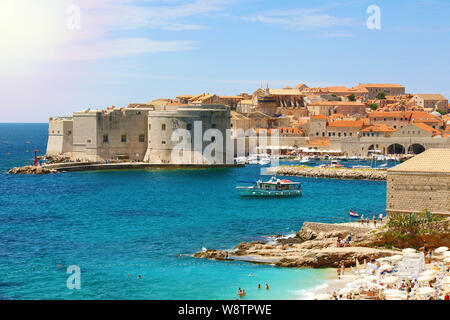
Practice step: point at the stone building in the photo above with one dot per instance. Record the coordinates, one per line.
(373, 89)
(328, 108)
(139, 132)
(422, 182)
(431, 101)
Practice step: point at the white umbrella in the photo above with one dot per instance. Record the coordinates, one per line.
(446, 254)
(396, 257)
(425, 291)
(383, 259)
(373, 285)
(391, 280)
(323, 296)
(385, 267)
(428, 273)
(393, 293)
(425, 278)
(441, 250)
(447, 260)
(371, 278)
(347, 290)
(409, 250)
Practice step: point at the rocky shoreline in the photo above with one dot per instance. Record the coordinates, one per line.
(330, 173)
(32, 170)
(314, 246)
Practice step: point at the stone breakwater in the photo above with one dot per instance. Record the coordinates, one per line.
(31, 170)
(330, 173)
(314, 246)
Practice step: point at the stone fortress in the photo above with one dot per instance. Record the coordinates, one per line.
(139, 132)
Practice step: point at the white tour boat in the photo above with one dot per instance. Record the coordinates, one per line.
(272, 188)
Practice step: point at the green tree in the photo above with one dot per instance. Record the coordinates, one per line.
(373, 106)
(381, 95)
(352, 97)
(441, 111)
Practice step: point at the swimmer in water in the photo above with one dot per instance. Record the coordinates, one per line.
(139, 276)
(267, 286)
(259, 286)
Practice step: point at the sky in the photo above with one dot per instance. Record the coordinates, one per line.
(60, 56)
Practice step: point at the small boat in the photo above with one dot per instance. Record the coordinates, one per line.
(335, 164)
(272, 188)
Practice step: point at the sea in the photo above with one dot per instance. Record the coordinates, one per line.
(124, 230)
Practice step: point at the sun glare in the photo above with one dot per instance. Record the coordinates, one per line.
(28, 28)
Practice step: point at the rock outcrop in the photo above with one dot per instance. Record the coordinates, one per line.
(31, 170)
(331, 173)
(314, 246)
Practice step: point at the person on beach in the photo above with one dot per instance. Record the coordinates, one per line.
(342, 268)
(338, 242)
(367, 221)
(381, 217)
(349, 238)
(374, 221)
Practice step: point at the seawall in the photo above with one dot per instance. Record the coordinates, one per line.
(89, 166)
(330, 173)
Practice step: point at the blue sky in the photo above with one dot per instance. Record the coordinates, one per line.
(129, 51)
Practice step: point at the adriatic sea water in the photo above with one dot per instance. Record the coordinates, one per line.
(117, 225)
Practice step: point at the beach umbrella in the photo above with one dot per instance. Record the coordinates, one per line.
(447, 260)
(425, 291)
(441, 250)
(323, 296)
(409, 250)
(428, 273)
(396, 257)
(372, 285)
(347, 290)
(391, 280)
(446, 254)
(385, 267)
(370, 278)
(383, 259)
(393, 293)
(425, 278)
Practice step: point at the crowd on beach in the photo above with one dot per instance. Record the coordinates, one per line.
(386, 279)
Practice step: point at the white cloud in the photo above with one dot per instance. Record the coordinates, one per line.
(104, 49)
(302, 19)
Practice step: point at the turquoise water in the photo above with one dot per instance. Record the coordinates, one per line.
(116, 223)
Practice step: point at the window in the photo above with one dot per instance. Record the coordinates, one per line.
(189, 126)
(174, 125)
(163, 127)
(142, 138)
(339, 134)
(89, 141)
(329, 134)
(351, 133)
(149, 127)
(213, 126)
(213, 139)
(163, 142)
(345, 134)
(123, 138)
(69, 133)
(105, 138)
(317, 134)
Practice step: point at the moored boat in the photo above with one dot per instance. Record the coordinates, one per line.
(272, 188)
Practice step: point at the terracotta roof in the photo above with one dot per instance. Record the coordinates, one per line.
(320, 116)
(346, 124)
(380, 85)
(427, 128)
(285, 92)
(336, 103)
(379, 128)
